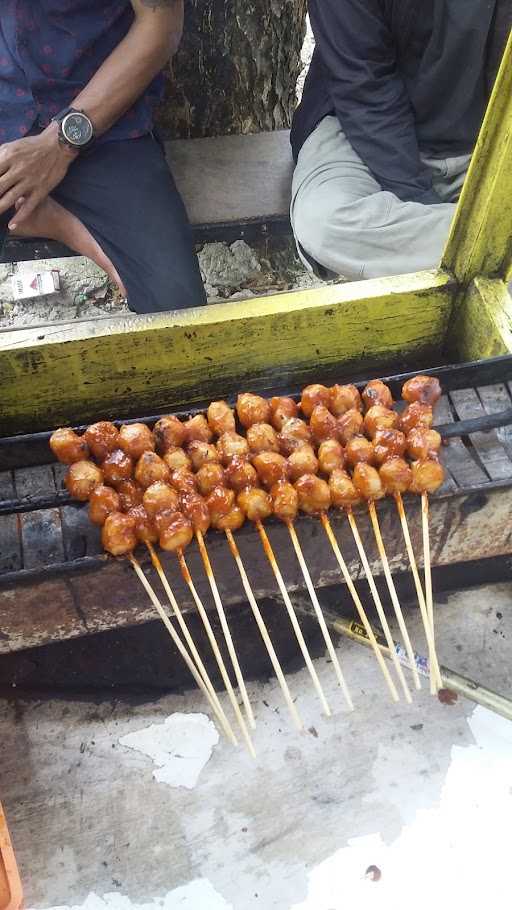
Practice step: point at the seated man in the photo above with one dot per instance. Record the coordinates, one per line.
(382, 139)
(78, 159)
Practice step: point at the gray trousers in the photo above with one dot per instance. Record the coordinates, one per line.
(344, 222)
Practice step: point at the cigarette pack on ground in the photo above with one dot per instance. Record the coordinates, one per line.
(26, 285)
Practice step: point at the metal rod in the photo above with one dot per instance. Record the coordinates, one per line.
(468, 688)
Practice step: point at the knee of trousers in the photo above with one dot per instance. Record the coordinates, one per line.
(320, 224)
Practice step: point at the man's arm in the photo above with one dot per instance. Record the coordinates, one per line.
(30, 168)
(368, 94)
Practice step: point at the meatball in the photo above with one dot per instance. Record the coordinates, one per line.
(377, 392)
(221, 418)
(183, 481)
(160, 497)
(163, 519)
(102, 501)
(380, 418)
(387, 444)
(220, 502)
(262, 438)
(330, 456)
(314, 494)
(252, 409)
(130, 494)
(208, 477)
(232, 445)
(201, 453)
(117, 467)
(118, 534)
(343, 492)
(195, 509)
(177, 534)
(169, 432)
(281, 411)
(425, 389)
(145, 528)
(285, 501)
(422, 442)
(322, 424)
(302, 461)
(416, 415)
(367, 482)
(232, 521)
(240, 474)
(294, 434)
(359, 450)
(344, 398)
(312, 396)
(150, 468)
(256, 504)
(197, 428)
(102, 438)
(68, 447)
(427, 476)
(396, 475)
(82, 478)
(349, 424)
(271, 468)
(135, 439)
(176, 458)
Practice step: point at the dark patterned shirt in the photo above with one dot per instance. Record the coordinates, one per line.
(49, 50)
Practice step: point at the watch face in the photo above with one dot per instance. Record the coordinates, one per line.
(77, 129)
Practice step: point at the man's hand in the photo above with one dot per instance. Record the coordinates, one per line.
(31, 168)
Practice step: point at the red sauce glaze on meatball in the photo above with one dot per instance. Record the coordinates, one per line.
(262, 438)
(68, 447)
(130, 494)
(252, 409)
(380, 418)
(176, 458)
(312, 396)
(323, 424)
(281, 411)
(240, 474)
(135, 439)
(388, 444)
(195, 509)
(118, 534)
(145, 528)
(221, 418)
(314, 494)
(285, 501)
(271, 468)
(197, 428)
(416, 415)
(425, 389)
(377, 392)
(102, 438)
(427, 476)
(421, 443)
(396, 475)
(256, 504)
(343, 492)
(117, 467)
(344, 398)
(302, 461)
(367, 482)
(295, 433)
(82, 478)
(177, 534)
(358, 450)
(160, 497)
(102, 501)
(330, 456)
(208, 477)
(349, 424)
(150, 468)
(201, 453)
(232, 445)
(169, 432)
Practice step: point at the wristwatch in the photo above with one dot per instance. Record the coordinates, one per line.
(75, 129)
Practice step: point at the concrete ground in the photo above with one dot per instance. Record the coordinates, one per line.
(121, 806)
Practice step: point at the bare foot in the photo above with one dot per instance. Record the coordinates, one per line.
(53, 221)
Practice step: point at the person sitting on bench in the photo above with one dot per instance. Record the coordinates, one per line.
(78, 159)
(382, 139)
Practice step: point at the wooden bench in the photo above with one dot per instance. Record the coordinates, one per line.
(233, 186)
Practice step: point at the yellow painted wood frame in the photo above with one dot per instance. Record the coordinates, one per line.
(68, 373)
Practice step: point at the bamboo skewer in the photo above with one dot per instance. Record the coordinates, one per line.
(432, 656)
(189, 640)
(378, 604)
(263, 631)
(359, 607)
(392, 593)
(172, 631)
(428, 578)
(215, 648)
(293, 618)
(319, 614)
(225, 627)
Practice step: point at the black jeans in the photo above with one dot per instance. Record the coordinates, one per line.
(125, 195)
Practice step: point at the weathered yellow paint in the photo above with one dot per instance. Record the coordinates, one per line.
(143, 364)
(480, 241)
(482, 326)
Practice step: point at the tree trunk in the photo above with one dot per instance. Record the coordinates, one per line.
(236, 70)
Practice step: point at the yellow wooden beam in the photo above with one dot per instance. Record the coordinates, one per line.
(480, 241)
(144, 364)
(482, 326)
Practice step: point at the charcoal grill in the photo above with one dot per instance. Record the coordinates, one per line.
(56, 583)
